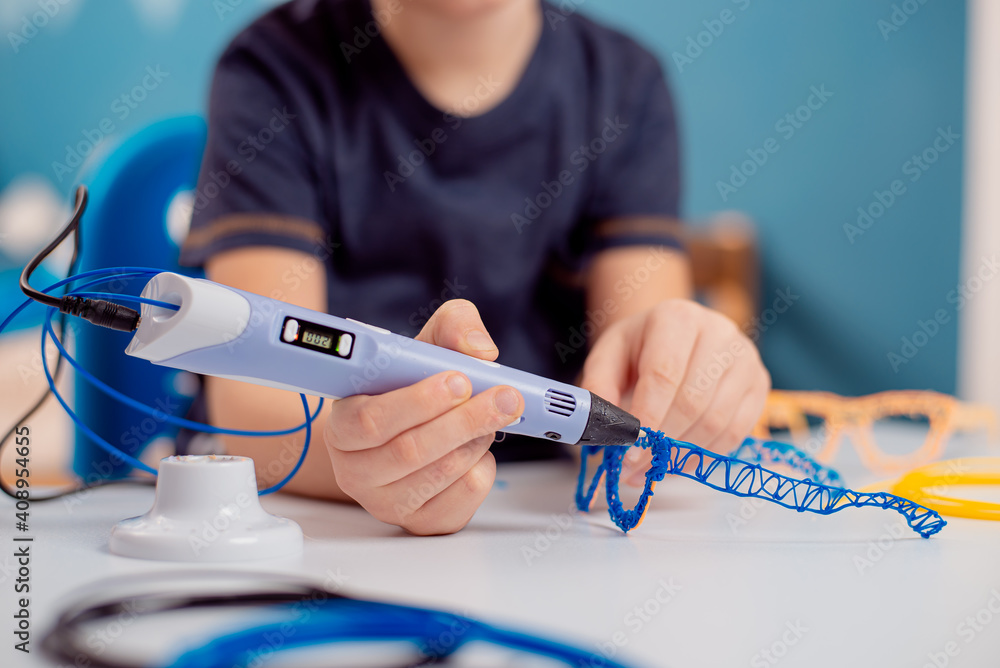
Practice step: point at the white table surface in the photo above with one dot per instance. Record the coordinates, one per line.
(856, 595)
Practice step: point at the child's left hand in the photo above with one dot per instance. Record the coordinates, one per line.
(691, 373)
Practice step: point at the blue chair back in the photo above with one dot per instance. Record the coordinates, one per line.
(126, 225)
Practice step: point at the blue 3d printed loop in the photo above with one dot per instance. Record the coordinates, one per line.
(756, 451)
(815, 492)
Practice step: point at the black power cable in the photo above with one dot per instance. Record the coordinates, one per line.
(97, 311)
(67, 641)
(67, 306)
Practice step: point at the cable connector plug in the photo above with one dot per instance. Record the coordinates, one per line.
(102, 313)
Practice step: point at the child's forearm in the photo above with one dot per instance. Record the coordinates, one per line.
(629, 280)
(265, 270)
(250, 407)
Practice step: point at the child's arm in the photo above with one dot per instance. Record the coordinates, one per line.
(417, 458)
(690, 371)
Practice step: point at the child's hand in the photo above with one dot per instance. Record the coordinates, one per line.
(419, 457)
(691, 372)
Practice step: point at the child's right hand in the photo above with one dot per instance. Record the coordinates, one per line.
(419, 457)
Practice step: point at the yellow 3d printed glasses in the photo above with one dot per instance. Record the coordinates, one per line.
(854, 416)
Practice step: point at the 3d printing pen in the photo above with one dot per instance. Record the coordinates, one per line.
(230, 333)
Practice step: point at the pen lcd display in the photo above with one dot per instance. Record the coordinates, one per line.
(320, 338)
(311, 338)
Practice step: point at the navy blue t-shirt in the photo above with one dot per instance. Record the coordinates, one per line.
(317, 134)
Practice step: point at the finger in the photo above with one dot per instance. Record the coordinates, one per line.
(635, 464)
(744, 418)
(710, 365)
(457, 325)
(670, 338)
(484, 414)
(362, 421)
(410, 493)
(452, 509)
(607, 369)
(730, 390)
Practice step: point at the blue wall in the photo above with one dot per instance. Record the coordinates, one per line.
(69, 78)
(891, 92)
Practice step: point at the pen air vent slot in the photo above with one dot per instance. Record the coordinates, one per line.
(560, 403)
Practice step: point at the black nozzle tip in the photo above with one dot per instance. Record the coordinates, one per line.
(608, 424)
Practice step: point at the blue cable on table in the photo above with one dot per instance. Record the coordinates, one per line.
(349, 620)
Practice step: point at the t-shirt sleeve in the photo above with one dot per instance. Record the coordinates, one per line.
(258, 182)
(636, 198)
